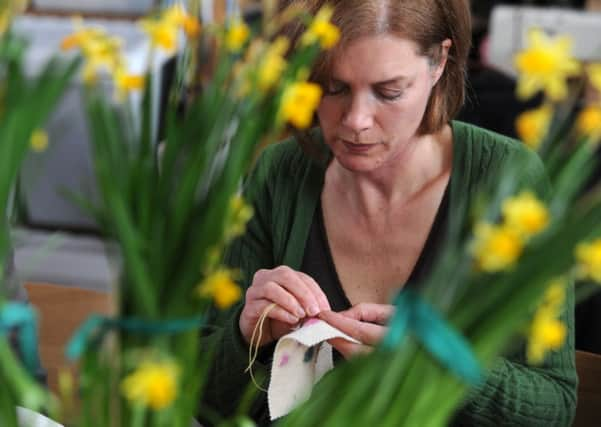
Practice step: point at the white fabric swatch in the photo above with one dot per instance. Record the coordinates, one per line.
(300, 360)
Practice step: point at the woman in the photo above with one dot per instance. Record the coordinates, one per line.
(337, 235)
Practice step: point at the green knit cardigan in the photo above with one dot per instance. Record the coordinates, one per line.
(284, 187)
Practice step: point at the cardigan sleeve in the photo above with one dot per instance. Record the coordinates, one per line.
(227, 381)
(516, 394)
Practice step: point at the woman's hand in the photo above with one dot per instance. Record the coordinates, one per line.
(365, 322)
(295, 294)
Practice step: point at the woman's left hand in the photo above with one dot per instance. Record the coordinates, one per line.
(365, 322)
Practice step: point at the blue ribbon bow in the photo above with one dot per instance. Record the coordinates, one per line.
(96, 327)
(23, 318)
(436, 335)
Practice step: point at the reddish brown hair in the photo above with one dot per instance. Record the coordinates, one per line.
(425, 22)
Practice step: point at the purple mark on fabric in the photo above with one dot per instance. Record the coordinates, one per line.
(284, 360)
(311, 321)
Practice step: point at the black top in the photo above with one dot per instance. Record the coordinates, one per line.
(319, 264)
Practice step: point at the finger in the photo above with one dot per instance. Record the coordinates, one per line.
(348, 349)
(292, 282)
(273, 292)
(366, 333)
(370, 312)
(321, 297)
(256, 309)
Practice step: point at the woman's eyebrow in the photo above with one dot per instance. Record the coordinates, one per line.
(398, 79)
(393, 80)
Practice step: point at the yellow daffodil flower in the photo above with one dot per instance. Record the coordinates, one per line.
(152, 384)
(525, 214)
(545, 65)
(239, 214)
(125, 83)
(221, 287)
(39, 141)
(177, 16)
(532, 125)
(191, 27)
(102, 53)
(547, 333)
(273, 64)
(236, 36)
(555, 295)
(594, 75)
(495, 248)
(162, 34)
(322, 30)
(299, 102)
(588, 123)
(588, 257)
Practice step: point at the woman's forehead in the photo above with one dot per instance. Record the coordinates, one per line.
(376, 59)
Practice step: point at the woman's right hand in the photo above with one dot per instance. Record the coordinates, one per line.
(295, 295)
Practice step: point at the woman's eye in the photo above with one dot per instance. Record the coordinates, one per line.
(335, 88)
(389, 95)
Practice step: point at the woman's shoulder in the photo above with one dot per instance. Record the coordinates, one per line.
(477, 140)
(288, 158)
(487, 156)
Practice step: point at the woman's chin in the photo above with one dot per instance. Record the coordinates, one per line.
(358, 163)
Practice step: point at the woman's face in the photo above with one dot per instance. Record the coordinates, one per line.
(375, 99)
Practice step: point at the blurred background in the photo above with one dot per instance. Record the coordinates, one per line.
(48, 219)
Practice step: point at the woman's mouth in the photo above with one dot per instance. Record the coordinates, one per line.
(357, 148)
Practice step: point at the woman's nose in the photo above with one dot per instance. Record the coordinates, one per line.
(358, 115)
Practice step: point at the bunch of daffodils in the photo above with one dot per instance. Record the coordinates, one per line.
(173, 214)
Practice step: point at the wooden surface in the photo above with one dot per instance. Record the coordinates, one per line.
(61, 310)
(588, 412)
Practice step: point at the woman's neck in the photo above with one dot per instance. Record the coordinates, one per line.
(424, 162)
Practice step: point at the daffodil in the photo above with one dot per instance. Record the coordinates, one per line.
(39, 140)
(322, 30)
(299, 102)
(102, 52)
(594, 75)
(177, 16)
(239, 214)
(545, 65)
(221, 287)
(532, 125)
(495, 248)
(273, 64)
(525, 214)
(588, 122)
(126, 82)
(236, 36)
(588, 257)
(547, 333)
(555, 294)
(162, 34)
(152, 384)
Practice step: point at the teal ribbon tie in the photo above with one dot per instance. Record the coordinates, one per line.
(414, 314)
(22, 318)
(93, 330)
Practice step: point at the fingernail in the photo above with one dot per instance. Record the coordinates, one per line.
(293, 319)
(313, 310)
(300, 313)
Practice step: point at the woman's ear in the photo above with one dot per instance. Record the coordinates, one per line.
(445, 46)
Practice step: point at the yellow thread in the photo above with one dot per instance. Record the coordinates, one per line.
(254, 352)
